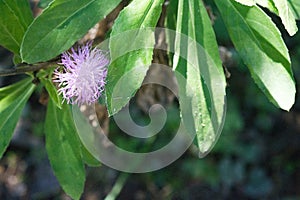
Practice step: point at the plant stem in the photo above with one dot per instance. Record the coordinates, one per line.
(21, 69)
(115, 191)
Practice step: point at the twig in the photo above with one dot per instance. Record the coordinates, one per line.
(115, 191)
(21, 69)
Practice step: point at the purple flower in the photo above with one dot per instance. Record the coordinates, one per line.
(83, 78)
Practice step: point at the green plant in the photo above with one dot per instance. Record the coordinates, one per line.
(36, 43)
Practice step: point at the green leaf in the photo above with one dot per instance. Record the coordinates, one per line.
(269, 4)
(64, 149)
(44, 3)
(60, 25)
(15, 17)
(46, 79)
(287, 16)
(295, 7)
(12, 101)
(260, 45)
(202, 97)
(130, 60)
(170, 23)
(286, 10)
(86, 136)
(89, 159)
(246, 2)
(17, 59)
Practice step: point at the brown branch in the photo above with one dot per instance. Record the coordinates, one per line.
(24, 68)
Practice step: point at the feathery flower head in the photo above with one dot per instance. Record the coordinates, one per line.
(83, 78)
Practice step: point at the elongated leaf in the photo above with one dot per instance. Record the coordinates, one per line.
(131, 51)
(286, 10)
(260, 45)
(15, 17)
(52, 91)
(64, 149)
(44, 3)
(202, 100)
(86, 136)
(269, 4)
(60, 25)
(12, 101)
(89, 159)
(287, 16)
(170, 23)
(246, 2)
(6, 91)
(295, 7)
(46, 79)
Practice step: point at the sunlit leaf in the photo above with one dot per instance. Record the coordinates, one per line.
(286, 10)
(12, 101)
(131, 52)
(287, 16)
(44, 3)
(269, 4)
(295, 7)
(246, 2)
(171, 20)
(60, 25)
(202, 101)
(64, 149)
(260, 45)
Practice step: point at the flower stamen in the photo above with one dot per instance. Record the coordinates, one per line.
(83, 79)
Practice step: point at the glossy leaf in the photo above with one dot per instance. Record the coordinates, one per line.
(60, 25)
(44, 3)
(15, 17)
(202, 100)
(170, 23)
(286, 10)
(12, 101)
(295, 7)
(287, 16)
(64, 149)
(131, 52)
(260, 45)
(269, 4)
(246, 2)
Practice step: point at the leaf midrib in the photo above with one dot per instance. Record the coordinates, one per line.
(62, 144)
(6, 30)
(139, 24)
(70, 16)
(245, 22)
(17, 105)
